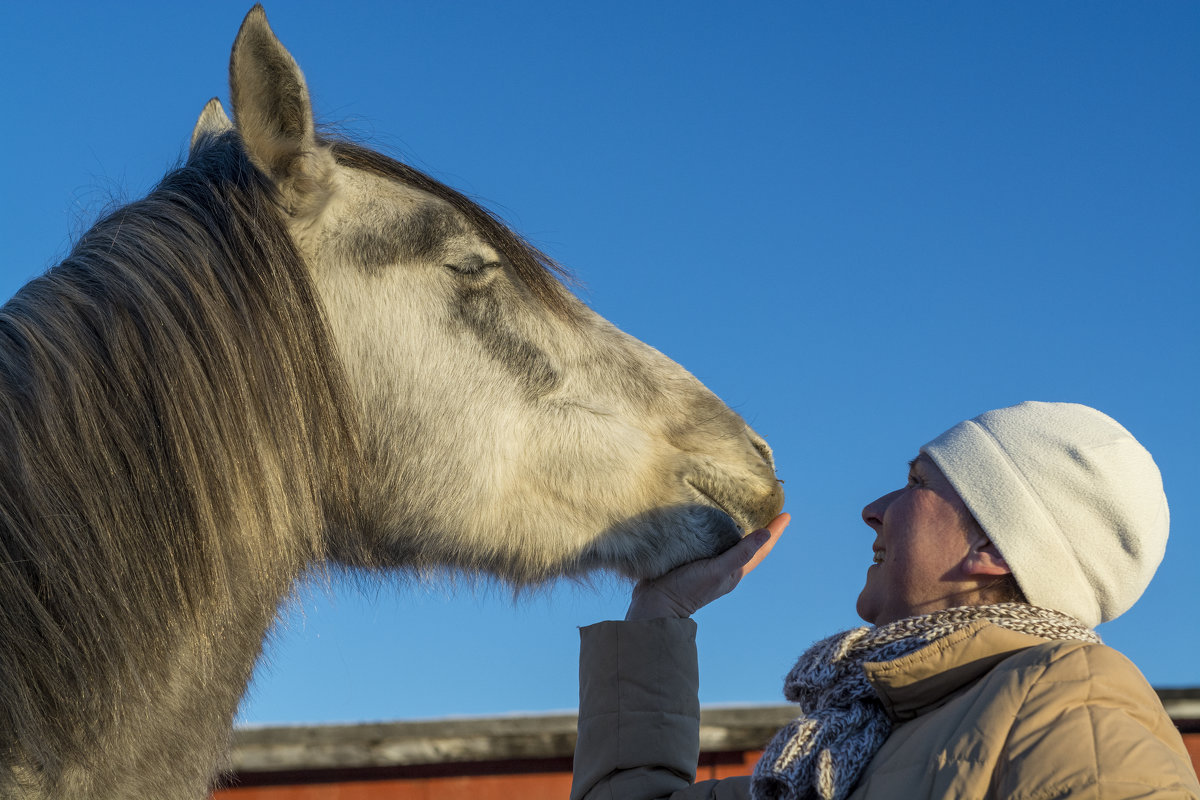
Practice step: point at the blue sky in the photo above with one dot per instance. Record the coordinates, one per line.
(858, 223)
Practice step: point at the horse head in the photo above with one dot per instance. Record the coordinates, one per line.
(505, 427)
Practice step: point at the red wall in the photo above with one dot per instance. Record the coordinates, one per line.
(544, 779)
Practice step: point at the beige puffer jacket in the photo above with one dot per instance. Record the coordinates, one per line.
(983, 713)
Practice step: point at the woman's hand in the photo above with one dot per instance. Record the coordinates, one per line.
(688, 588)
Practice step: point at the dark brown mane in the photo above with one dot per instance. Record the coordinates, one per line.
(169, 406)
(537, 270)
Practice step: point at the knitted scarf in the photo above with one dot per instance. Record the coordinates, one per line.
(822, 753)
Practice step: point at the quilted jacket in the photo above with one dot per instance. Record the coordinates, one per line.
(983, 713)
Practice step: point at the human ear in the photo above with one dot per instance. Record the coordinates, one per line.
(984, 559)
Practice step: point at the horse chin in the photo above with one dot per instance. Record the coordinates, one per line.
(659, 541)
(724, 531)
(735, 515)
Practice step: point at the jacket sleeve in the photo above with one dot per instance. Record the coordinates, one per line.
(639, 715)
(1092, 728)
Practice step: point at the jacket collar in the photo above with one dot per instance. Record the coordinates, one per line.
(925, 679)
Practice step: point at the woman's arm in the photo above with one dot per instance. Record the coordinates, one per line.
(639, 716)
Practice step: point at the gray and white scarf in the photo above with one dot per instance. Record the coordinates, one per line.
(822, 753)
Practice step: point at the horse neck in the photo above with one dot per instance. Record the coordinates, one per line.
(158, 494)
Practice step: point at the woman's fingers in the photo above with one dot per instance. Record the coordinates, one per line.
(774, 530)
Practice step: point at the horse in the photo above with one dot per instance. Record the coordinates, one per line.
(298, 352)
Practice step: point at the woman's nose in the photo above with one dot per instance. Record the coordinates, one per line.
(872, 512)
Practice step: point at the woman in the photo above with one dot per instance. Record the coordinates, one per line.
(980, 675)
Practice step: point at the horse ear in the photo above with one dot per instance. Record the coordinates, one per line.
(213, 122)
(274, 115)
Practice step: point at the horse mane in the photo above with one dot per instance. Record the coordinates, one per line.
(172, 418)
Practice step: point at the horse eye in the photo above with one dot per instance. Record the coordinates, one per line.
(472, 265)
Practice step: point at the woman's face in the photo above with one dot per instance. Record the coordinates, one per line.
(923, 534)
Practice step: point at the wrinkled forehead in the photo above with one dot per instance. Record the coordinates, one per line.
(385, 222)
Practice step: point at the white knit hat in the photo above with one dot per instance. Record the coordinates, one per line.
(1071, 500)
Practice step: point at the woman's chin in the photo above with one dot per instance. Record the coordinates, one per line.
(866, 607)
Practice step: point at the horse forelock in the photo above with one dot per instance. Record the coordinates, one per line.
(174, 423)
(537, 271)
